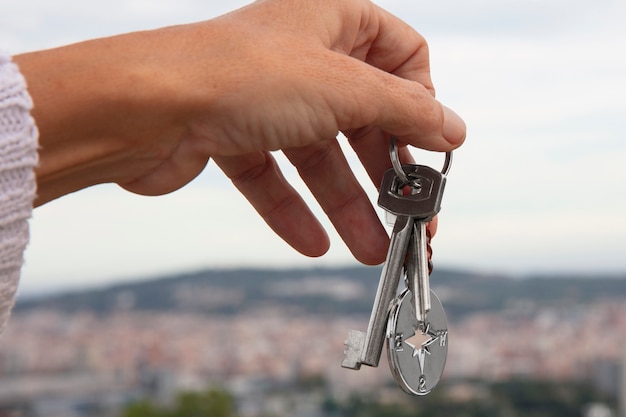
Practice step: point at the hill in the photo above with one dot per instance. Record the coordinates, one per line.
(326, 291)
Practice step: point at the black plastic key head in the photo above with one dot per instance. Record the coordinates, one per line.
(420, 198)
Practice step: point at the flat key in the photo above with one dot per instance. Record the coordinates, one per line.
(422, 202)
(366, 348)
(420, 199)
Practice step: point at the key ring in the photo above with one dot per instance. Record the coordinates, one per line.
(397, 166)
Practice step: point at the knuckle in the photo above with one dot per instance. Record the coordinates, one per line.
(312, 156)
(254, 170)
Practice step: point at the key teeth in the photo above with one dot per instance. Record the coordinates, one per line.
(354, 348)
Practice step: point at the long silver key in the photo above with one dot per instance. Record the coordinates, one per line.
(426, 191)
(418, 195)
(366, 348)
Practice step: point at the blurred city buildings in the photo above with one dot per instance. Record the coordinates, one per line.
(87, 364)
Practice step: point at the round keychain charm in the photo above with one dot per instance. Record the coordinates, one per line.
(417, 352)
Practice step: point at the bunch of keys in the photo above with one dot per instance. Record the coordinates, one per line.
(413, 322)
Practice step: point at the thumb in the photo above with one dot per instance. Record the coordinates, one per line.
(403, 108)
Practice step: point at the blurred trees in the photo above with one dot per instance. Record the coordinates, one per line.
(214, 403)
(515, 398)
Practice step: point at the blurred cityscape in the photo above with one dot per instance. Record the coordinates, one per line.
(60, 358)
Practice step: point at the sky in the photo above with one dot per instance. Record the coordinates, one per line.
(538, 187)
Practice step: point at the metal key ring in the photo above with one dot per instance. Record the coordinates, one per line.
(397, 166)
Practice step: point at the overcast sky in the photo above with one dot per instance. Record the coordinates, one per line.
(539, 186)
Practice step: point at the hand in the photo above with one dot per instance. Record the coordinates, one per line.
(147, 110)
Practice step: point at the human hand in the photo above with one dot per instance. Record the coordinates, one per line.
(322, 77)
(147, 110)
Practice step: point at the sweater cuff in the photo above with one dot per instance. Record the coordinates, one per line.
(18, 158)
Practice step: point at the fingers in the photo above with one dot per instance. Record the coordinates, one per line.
(327, 174)
(258, 178)
(432, 226)
(325, 170)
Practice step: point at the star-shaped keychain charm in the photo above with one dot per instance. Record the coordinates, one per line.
(416, 350)
(420, 343)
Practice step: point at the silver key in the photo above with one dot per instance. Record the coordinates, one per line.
(366, 348)
(417, 357)
(422, 201)
(417, 273)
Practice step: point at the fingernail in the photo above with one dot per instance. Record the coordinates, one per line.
(453, 126)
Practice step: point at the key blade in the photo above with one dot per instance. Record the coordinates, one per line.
(417, 272)
(386, 292)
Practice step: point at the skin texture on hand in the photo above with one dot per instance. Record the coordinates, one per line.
(148, 109)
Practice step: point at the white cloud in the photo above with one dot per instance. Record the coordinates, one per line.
(34, 24)
(541, 182)
(522, 18)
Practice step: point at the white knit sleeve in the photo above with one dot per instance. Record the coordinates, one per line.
(18, 157)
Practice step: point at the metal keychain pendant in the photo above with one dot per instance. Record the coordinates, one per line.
(416, 351)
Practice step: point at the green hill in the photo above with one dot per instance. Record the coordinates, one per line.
(326, 291)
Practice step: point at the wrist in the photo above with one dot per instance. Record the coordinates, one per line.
(70, 109)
